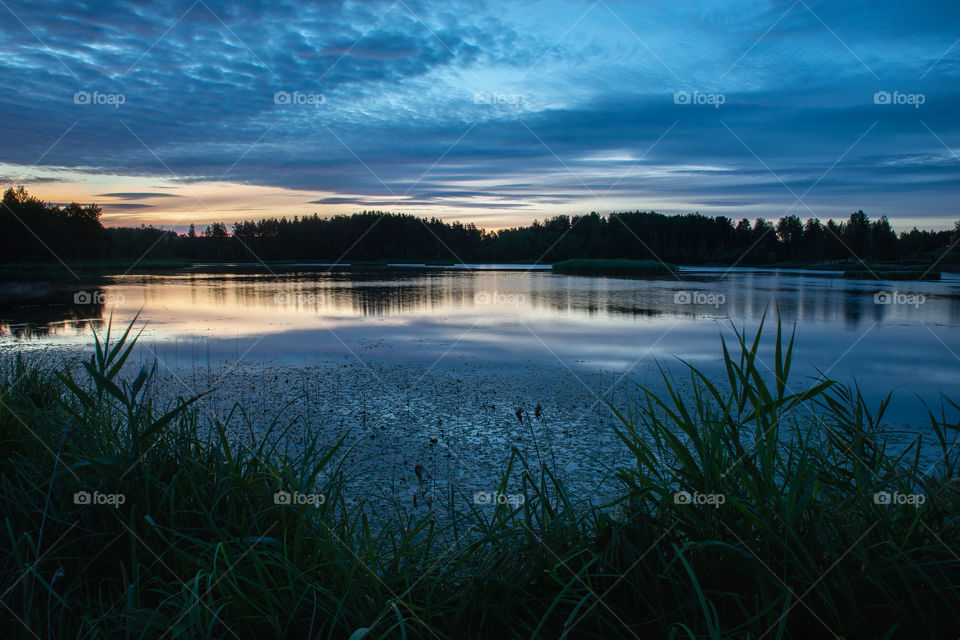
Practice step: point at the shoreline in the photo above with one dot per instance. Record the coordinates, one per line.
(458, 421)
(29, 271)
(424, 487)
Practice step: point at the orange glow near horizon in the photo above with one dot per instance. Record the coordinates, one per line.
(175, 203)
(171, 203)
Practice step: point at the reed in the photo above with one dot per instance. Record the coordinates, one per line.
(750, 510)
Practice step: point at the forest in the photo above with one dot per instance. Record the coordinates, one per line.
(37, 232)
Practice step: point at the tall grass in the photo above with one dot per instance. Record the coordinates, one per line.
(797, 546)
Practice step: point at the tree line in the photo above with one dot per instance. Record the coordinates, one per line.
(34, 231)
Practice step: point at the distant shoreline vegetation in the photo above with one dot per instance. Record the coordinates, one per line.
(579, 266)
(614, 268)
(891, 275)
(37, 233)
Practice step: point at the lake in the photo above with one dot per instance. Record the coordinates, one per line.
(899, 336)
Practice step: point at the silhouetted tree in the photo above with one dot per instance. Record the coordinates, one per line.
(790, 233)
(35, 231)
(883, 240)
(856, 236)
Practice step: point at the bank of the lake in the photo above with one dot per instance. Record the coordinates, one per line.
(138, 516)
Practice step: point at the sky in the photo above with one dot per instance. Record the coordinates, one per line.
(171, 113)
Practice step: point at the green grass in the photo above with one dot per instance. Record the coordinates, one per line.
(589, 267)
(891, 275)
(199, 549)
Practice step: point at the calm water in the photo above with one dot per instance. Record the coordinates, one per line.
(904, 340)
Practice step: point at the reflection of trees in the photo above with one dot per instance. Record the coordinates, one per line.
(41, 312)
(360, 295)
(38, 312)
(746, 295)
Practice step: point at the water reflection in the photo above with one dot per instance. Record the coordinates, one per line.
(505, 317)
(48, 310)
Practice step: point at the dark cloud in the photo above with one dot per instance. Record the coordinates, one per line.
(337, 200)
(27, 180)
(138, 196)
(124, 206)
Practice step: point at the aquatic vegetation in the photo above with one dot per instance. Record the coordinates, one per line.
(756, 505)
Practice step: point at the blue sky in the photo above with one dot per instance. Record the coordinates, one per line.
(495, 113)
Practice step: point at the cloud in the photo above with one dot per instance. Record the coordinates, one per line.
(138, 196)
(578, 106)
(26, 180)
(337, 200)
